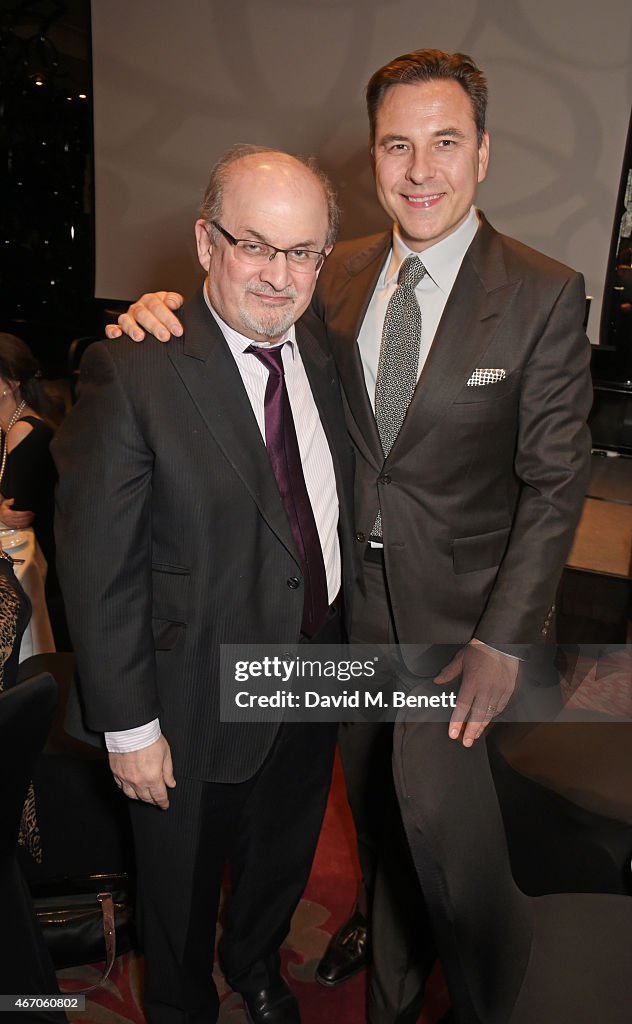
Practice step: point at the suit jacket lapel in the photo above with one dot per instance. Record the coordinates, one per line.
(212, 379)
(324, 387)
(362, 270)
(476, 304)
(324, 384)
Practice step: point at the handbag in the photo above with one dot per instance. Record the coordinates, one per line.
(86, 920)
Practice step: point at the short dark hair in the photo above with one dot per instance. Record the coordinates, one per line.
(211, 208)
(428, 66)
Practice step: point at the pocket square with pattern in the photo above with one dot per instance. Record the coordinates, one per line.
(481, 377)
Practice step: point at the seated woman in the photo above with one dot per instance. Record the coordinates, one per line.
(28, 417)
(14, 615)
(25, 963)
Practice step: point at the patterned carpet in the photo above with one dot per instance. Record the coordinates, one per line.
(327, 901)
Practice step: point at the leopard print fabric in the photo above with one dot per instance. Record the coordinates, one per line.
(29, 835)
(9, 610)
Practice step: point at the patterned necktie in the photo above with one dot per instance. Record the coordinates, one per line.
(399, 359)
(283, 450)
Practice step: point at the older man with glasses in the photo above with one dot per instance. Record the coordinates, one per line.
(203, 500)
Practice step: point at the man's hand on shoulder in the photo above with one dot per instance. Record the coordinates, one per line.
(153, 311)
(145, 774)
(488, 681)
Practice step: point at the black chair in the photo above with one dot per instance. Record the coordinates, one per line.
(86, 839)
(26, 712)
(82, 816)
(75, 351)
(565, 793)
(508, 958)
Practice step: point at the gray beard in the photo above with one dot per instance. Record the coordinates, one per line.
(270, 325)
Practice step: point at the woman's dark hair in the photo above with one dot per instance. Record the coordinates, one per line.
(18, 363)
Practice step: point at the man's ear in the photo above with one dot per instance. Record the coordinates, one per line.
(204, 245)
(483, 157)
(326, 250)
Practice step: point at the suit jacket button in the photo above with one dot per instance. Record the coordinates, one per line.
(361, 537)
(385, 478)
(293, 582)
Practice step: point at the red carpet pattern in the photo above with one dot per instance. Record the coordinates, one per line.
(327, 901)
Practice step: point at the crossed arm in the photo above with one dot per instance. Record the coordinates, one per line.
(11, 518)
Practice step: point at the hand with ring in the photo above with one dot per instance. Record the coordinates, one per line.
(488, 679)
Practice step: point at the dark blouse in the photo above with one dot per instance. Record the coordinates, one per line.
(30, 478)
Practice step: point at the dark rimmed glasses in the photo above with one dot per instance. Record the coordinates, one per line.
(247, 250)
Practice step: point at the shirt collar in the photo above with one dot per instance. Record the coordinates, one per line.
(238, 343)
(441, 260)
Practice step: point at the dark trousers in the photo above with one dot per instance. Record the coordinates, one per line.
(266, 829)
(403, 946)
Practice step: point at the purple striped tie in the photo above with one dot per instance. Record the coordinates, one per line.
(283, 450)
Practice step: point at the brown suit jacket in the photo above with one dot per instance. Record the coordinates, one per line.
(482, 490)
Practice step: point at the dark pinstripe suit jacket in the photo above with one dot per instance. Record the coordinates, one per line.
(173, 539)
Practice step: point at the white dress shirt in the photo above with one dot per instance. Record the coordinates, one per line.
(442, 262)
(316, 460)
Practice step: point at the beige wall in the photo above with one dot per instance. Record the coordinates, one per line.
(178, 82)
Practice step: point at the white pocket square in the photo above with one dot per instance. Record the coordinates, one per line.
(481, 377)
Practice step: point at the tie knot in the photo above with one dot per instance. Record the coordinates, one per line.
(270, 357)
(411, 272)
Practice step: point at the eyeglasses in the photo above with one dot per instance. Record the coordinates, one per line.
(306, 261)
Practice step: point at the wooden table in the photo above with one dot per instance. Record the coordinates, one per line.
(603, 540)
(594, 601)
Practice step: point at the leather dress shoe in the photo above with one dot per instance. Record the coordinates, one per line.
(274, 1005)
(347, 953)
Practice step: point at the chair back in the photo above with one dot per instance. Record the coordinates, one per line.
(26, 713)
(75, 351)
(83, 818)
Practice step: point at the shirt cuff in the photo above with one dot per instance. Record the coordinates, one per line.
(481, 643)
(127, 740)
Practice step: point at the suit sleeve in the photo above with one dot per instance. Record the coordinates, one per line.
(103, 533)
(552, 462)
